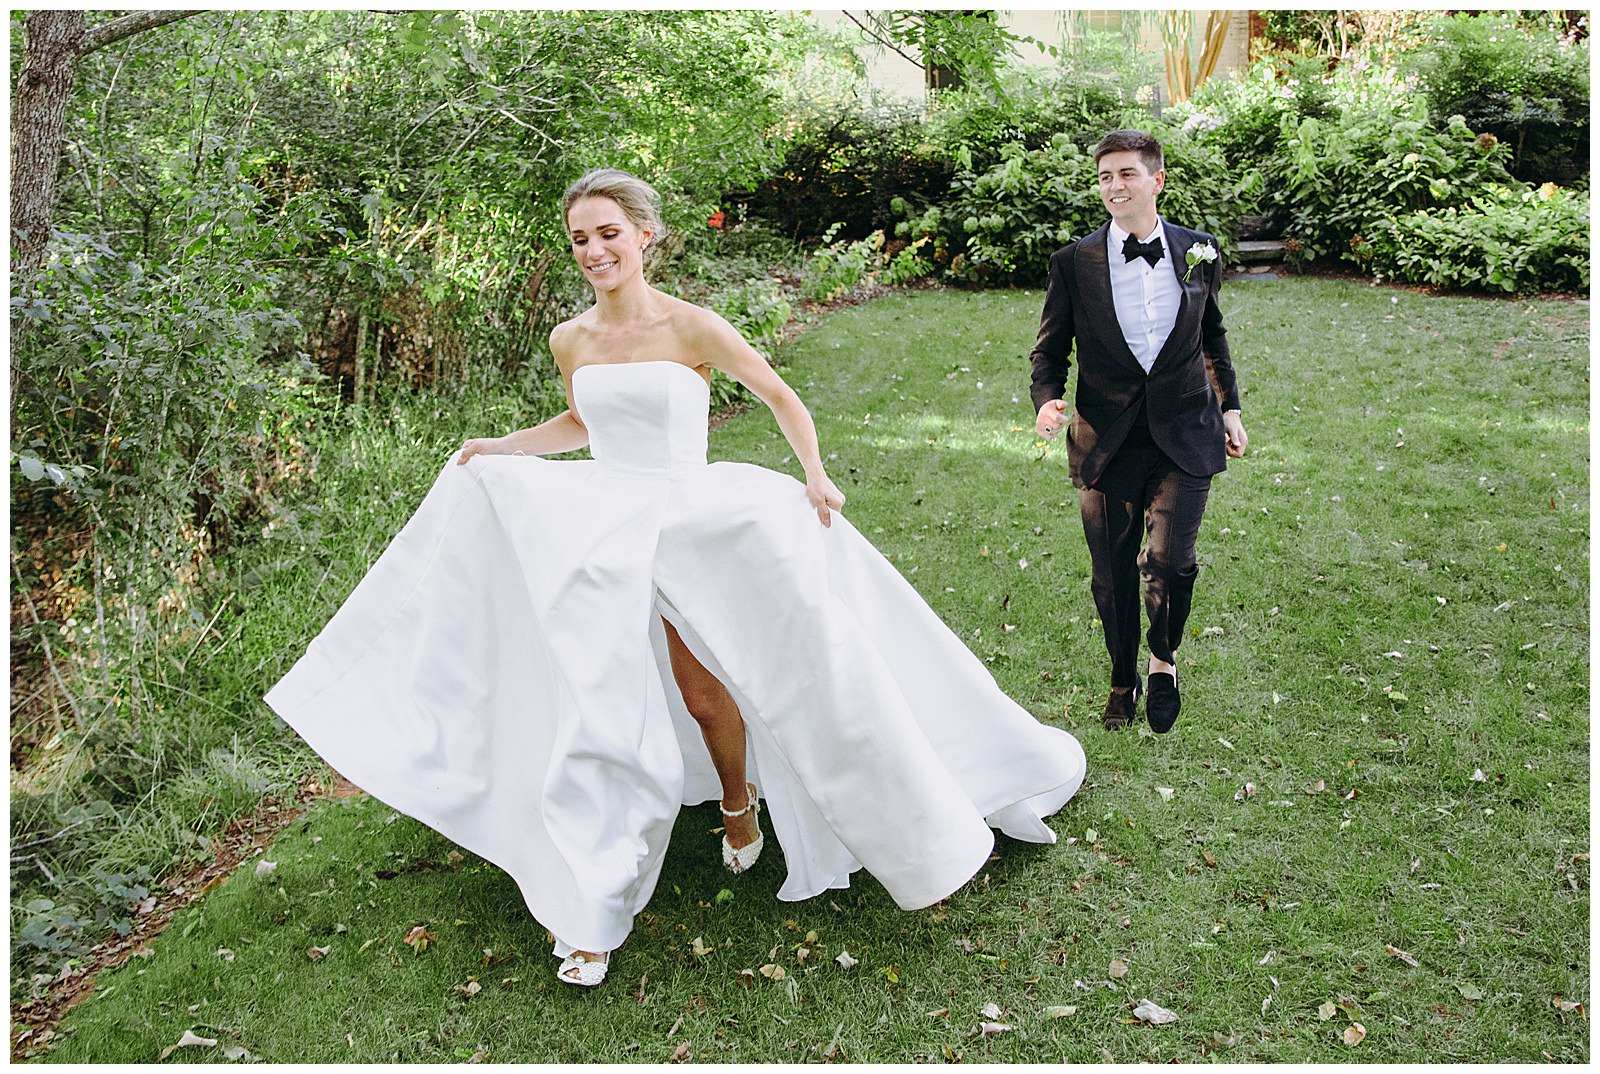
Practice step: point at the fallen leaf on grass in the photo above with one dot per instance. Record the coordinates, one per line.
(1478, 776)
(1060, 1012)
(1355, 1033)
(1566, 1006)
(1154, 1014)
(989, 1029)
(942, 1012)
(1119, 968)
(1401, 955)
(772, 972)
(471, 988)
(844, 960)
(680, 1054)
(1247, 791)
(239, 1051)
(265, 867)
(419, 938)
(188, 1040)
(1166, 793)
(454, 857)
(1327, 1010)
(225, 954)
(698, 947)
(317, 954)
(1469, 991)
(990, 1011)
(1209, 858)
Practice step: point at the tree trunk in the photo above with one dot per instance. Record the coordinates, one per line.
(54, 42)
(38, 118)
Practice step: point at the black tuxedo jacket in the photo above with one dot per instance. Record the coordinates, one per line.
(1185, 392)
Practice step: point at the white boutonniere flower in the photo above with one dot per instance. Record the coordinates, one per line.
(1199, 252)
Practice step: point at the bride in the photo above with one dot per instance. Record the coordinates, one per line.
(552, 657)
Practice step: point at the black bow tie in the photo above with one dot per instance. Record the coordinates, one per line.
(1151, 251)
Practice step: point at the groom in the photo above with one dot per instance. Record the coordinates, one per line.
(1155, 414)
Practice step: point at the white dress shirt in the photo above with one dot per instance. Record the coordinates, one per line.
(1146, 296)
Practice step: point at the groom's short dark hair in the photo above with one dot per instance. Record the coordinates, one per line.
(1146, 145)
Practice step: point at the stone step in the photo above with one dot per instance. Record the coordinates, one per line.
(1260, 250)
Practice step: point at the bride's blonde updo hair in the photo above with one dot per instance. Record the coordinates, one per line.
(638, 199)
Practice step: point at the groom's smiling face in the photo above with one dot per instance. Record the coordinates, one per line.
(1128, 189)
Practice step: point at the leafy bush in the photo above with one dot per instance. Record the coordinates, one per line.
(1001, 227)
(838, 265)
(1336, 180)
(1528, 86)
(1503, 240)
(845, 169)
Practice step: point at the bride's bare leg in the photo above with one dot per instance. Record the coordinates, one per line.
(713, 708)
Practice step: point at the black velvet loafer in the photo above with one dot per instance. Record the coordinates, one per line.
(1164, 702)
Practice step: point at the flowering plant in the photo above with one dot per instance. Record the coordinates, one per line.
(1199, 252)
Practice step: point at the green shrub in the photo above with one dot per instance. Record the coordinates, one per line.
(1529, 86)
(1335, 180)
(838, 265)
(1504, 240)
(1001, 227)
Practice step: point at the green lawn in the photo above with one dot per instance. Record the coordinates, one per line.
(1374, 808)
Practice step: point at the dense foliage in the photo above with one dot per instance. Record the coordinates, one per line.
(1527, 86)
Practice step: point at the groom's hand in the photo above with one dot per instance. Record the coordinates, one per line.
(1052, 419)
(1233, 427)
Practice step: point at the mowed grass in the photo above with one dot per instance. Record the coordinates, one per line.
(1383, 757)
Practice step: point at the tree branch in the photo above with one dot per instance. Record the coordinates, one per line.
(108, 33)
(881, 38)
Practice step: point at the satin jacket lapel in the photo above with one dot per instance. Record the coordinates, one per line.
(1094, 280)
(1191, 297)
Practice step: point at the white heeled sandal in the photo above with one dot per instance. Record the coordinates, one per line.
(578, 970)
(741, 859)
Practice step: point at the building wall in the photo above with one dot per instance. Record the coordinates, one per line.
(891, 73)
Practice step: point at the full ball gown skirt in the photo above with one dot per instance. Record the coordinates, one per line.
(501, 675)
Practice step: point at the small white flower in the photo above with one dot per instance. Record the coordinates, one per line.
(1199, 253)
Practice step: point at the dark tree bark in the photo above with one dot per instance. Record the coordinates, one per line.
(54, 42)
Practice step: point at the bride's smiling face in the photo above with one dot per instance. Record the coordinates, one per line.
(606, 244)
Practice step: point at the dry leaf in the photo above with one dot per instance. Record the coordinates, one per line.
(454, 857)
(1119, 968)
(1165, 793)
(1154, 1014)
(990, 1011)
(772, 972)
(1401, 955)
(419, 938)
(265, 867)
(1478, 776)
(1327, 1010)
(237, 1052)
(1469, 991)
(844, 960)
(989, 1029)
(1247, 791)
(471, 988)
(225, 954)
(317, 954)
(1210, 858)
(1355, 1033)
(1566, 1006)
(1059, 1012)
(188, 1040)
(698, 946)
(942, 1012)
(680, 1054)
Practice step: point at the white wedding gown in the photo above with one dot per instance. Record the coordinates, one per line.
(501, 675)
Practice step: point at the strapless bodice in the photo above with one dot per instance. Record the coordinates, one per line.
(645, 419)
